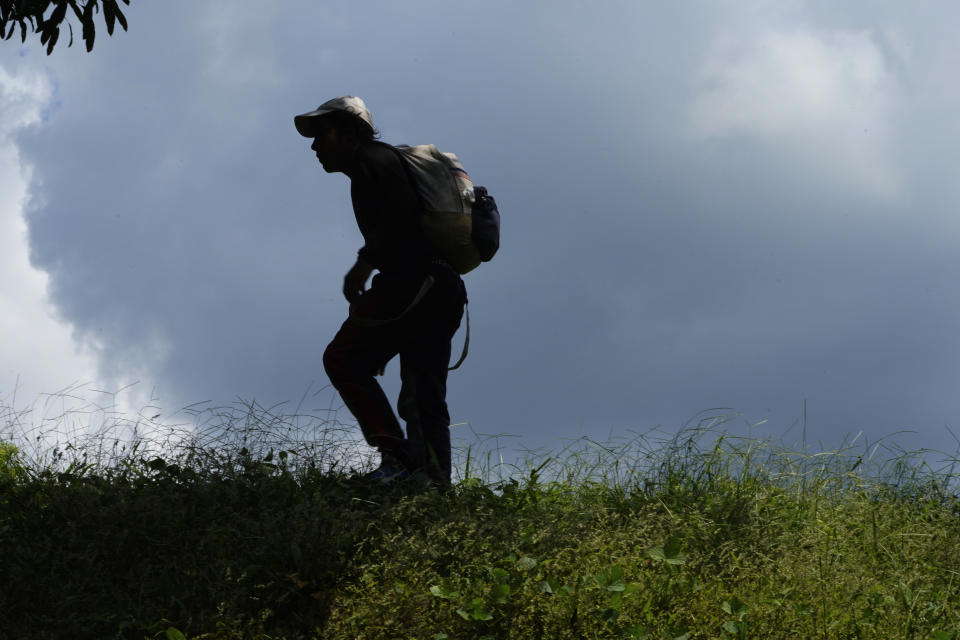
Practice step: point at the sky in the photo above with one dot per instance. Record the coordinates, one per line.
(740, 208)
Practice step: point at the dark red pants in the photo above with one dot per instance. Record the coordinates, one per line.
(370, 338)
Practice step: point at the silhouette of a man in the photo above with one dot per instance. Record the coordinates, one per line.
(412, 308)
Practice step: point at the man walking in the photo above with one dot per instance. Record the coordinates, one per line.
(412, 308)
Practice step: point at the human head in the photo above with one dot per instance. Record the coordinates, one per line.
(348, 114)
(337, 127)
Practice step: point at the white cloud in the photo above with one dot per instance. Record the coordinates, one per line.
(823, 98)
(37, 347)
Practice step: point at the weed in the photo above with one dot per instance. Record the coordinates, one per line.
(250, 525)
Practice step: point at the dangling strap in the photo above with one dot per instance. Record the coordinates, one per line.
(466, 341)
(427, 284)
(371, 322)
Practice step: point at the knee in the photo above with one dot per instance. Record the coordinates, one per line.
(334, 362)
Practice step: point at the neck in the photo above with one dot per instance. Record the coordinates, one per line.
(350, 149)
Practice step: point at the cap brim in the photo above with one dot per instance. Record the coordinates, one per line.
(306, 123)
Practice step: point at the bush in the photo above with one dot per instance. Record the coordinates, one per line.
(248, 532)
(11, 467)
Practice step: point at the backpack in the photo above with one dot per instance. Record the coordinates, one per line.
(459, 219)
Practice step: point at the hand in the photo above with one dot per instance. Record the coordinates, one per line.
(355, 282)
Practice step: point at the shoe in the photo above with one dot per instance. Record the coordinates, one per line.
(419, 481)
(387, 474)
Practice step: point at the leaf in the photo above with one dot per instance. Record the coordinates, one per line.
(122, 19)
(89, 28)
(616, 572)
(481, 614)
(526, 563)
(638, 632)
(612, 578)
(173, 633)
(735, 607)
(669, 553)
(444, 592)
(500, 593)
(673, 551)
(500, 575)
(476, 612)
(108, 15)
(53, 40)
(58, 14)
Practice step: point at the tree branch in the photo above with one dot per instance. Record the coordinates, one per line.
(44, 18)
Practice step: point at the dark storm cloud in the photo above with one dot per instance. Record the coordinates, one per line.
(662, 253)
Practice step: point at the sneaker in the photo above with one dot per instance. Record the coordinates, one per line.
(419, 481)
(387, 473)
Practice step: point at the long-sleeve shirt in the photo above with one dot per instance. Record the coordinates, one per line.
(388, 212)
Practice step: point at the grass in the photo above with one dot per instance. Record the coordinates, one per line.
(248, 525)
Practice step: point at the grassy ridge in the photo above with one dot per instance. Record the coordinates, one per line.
(702, 535)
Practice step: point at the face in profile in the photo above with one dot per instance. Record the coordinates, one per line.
(326, 144)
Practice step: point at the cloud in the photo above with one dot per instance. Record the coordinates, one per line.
(37, 350)
(683, 214)
(825, 99)
(22, 98)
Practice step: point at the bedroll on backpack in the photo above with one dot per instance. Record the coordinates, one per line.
(461, 220)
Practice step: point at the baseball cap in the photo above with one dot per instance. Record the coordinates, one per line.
(306, 122)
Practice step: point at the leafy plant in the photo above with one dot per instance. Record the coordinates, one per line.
(46, 17)
(254, 527)
(670, 553)
(735, 629)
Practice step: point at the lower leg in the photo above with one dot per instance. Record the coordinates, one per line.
(414, 450)
(351, 364)
(423, 406)
(438, 455)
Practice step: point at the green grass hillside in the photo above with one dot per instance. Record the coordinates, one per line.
(253, 534)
